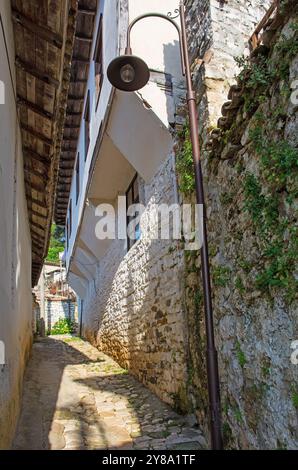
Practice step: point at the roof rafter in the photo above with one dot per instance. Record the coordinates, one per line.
(42, 31)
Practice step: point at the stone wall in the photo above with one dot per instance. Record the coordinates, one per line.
(134, 310)
(56, 309)
(218, 32)
(249, 173)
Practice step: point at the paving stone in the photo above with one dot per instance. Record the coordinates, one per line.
(78, 407)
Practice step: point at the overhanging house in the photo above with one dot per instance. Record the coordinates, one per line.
(131, 294)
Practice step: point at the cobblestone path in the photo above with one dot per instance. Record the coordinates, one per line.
(76, 397)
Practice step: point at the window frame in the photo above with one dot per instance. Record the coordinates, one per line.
(70, 218)
(67, 234)
(78, 178)
(87, 117)
(134, 200)
(98, 54)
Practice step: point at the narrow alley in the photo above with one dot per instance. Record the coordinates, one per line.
(148, 236)
(78, 398)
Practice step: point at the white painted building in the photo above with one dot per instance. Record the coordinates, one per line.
(133, 296)
(126, 143)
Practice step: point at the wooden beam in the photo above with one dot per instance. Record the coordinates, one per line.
(37, 187)
(36, 240)
(44, 77)
(62, 199)
(70, 139)
(83, 38)
(36, 201)
(35, 224)
(67, 167)
(37, 214)
(43, 32)
(35, 108)
(73, 113)
(36, 246)
(80, 60)
(75, 98)
(86, 11)
(36, 156)
(35, 233)
(79, 80)
(36, 134)
(33, 172)
(37, 251)
(69, 126)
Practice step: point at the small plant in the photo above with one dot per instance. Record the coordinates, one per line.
(227, 433)
(239, 285)
(198, 299)
(221, 275)
(63, 326)
(265, 371)
(240, 355)
(238, 415)
(226, 198)
(184, 165)
(295, 400)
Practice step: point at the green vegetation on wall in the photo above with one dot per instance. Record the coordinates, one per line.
(57, 242)
(184, 164)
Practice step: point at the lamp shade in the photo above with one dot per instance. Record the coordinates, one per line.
(128, 73)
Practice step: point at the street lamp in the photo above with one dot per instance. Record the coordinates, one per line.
(130, 73)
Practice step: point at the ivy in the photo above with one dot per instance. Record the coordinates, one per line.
(221, 275)
(184, 164)
(240, 355)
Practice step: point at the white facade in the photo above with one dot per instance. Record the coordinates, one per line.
(15, 243)
(125, 136)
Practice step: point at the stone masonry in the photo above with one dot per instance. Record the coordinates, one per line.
(145, 306)
(135, 309)
(254, 326)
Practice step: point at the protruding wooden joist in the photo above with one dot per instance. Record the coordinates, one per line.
(78, 80)
(83, 38)
(44, 77)
(36, 156)
(75, 98)
(36, 240)
(82, 60)
(33, 172)
(36, 134)
(69, 126)
(69, 139)
(35, 108)
(37, 214)
(73, 113)
(37, 187)
(36, 201)
(43, 32)
(86, 11)
(35, 224)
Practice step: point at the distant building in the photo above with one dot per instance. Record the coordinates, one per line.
(59, 298)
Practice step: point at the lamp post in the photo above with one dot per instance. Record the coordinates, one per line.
(130, 73)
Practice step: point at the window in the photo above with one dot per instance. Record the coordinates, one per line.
(77, 178)
(87, 124)
(66, 233)
(132, 197)
(98, 62)
(70, 219)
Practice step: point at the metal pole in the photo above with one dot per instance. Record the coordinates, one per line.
(212, 364)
